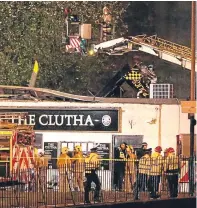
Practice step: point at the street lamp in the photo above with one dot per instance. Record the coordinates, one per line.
(193, 62)
(192, 96)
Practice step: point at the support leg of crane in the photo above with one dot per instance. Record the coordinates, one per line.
(183, 63)
(160, 54)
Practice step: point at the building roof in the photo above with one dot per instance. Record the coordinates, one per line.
(29, 94)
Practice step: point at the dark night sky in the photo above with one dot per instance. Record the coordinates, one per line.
(170, 21)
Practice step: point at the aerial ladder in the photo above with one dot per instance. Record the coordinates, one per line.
(153, 45)
(166, 50)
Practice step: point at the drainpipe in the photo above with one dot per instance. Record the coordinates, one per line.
(159, 131)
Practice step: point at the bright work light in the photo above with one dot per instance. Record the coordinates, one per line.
(91, 52)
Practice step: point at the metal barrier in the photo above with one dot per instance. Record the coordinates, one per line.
(125, 180)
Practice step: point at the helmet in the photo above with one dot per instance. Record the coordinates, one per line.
(65, 150)
(106, 10)
(144, 144)
(148, 151)
(131, 148)
(78, 148)
(158, 149)
(171, 150)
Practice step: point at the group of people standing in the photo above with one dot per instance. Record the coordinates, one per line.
(76, 167)
(142, 170)
(135, 170)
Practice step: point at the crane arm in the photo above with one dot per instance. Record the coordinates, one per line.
(166, 50)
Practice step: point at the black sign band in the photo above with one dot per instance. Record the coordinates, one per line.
(70, 120)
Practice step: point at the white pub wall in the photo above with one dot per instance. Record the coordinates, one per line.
(136, 119)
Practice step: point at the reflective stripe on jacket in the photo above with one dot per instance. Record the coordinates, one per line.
(171, 164)
(78, 162)
(92, 162)
(130, 164)
(144, 165)
(156, 164)
(63, 160)
(39, 161)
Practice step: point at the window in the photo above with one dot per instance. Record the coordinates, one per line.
(86, 146)
(38, 141)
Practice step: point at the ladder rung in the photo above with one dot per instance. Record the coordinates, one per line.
(166, 45)
(74, 23)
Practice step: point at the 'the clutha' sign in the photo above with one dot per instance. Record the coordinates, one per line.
(69, 120)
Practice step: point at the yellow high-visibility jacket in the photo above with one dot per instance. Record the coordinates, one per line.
(92, 162)
(63, 161)
(130, 164)
(144, 164)
(156, 164)
(78, 162)
(39, 161)
(171, 164)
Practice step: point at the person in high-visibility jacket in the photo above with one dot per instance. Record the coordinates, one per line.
(140, 152)
(156, 166)
(143, 172)
(41, 169)
(78, 162)
(164, 178)
(64, 164)
(165, 152)
(92, 165)
(130, 171)
(171, 169)
(39, 159)
(107, 20)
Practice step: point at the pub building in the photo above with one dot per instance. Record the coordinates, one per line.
(105, 124)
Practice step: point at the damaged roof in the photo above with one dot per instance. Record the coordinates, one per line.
(17, 93)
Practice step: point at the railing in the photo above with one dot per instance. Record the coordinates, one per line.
(119, 181)
(165, 45)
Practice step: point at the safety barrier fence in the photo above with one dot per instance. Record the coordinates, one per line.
(103, 181)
